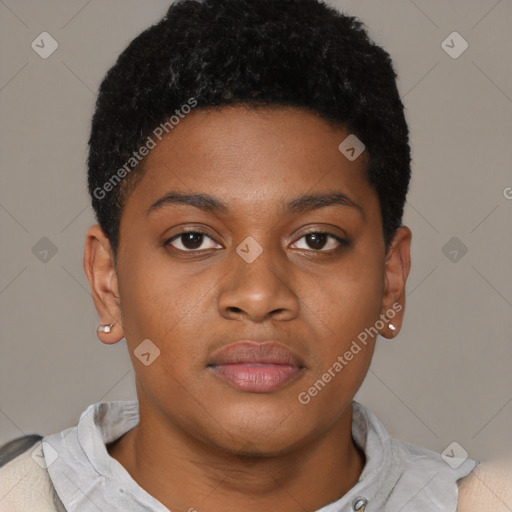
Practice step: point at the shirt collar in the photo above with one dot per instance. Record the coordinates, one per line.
(395, 475)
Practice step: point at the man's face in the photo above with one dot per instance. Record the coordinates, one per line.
(252, 271)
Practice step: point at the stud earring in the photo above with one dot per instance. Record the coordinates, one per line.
(392, 327)
(105, 328)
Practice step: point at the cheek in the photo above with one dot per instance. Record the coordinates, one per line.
(344, 350)
(168, 307)
(347, 301)
(343, 310)
(154, 296)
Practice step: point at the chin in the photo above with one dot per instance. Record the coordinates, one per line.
(263, 431)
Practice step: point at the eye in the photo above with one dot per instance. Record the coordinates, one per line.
(318, 240)
(190, 241)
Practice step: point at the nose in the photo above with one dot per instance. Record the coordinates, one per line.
(258, 290)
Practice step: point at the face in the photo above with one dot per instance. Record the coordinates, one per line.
(253, 293)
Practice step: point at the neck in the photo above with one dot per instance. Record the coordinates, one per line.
(306, 478)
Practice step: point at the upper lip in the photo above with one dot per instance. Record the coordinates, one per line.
(249, 351)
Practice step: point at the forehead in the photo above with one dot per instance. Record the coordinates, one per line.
(254, 157)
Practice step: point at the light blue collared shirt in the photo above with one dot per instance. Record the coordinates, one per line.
(397, 476)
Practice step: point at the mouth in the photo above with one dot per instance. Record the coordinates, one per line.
(256, 367)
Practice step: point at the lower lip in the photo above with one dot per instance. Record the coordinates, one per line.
(257, 378)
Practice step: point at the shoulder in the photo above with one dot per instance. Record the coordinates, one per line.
(427, 479)
(488, 488)
(24, 480)
(421, 460)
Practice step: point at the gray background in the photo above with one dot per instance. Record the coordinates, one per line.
(445, 378)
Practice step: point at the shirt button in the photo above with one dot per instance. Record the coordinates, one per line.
(359, 504)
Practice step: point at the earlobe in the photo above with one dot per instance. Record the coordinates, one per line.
(390, 330)
(99, 266)
(107, 334)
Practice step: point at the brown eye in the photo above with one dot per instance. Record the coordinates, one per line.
(190, 241)
(322, 242)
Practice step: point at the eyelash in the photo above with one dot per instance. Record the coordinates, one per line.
(342, 242)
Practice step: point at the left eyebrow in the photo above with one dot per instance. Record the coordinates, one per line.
(311, 202)
(302, 204)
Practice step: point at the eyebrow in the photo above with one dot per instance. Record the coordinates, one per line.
(210, 204)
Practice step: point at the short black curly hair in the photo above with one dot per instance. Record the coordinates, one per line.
(299, 53)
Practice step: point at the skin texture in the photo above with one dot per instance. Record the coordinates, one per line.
(200, 442)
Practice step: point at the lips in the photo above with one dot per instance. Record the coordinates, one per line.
(257, 367)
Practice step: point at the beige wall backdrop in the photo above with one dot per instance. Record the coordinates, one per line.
(446, 377)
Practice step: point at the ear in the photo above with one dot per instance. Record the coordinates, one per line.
(99, 266)
(396, 271)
